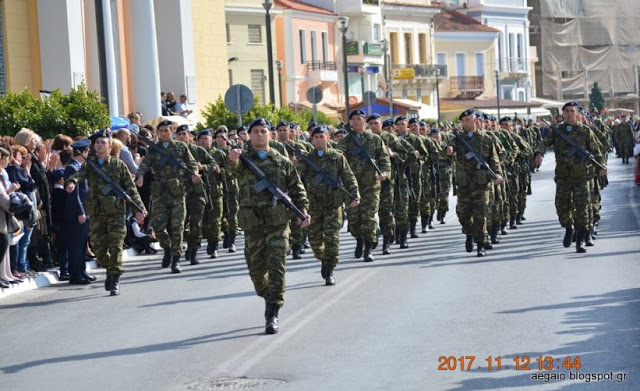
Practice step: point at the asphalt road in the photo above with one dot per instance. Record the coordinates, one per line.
(384, 326)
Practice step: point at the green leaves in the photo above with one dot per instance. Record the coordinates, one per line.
(76, 114)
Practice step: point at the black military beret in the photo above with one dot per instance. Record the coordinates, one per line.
(259, 122)
(467, 112)
(81, 145)
(283, 123)
(101, 133)
(182, 128)
(400, 118)
(341, 131)
(166, 122)
(435, 131)
(414, 120)
(241, 128)
(485, 117)
(312, 124)
(357, 112)
(573, 103)
(492, 118)
(292, 125)
(387, 123)
(319, 129)
(207, 132)
(505, 119)
(373, 117)
(422, 123)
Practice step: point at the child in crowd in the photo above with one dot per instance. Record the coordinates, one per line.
(136, 238)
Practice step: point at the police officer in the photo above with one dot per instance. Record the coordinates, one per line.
(108, 225)
(168, 193)
(473, 181)
(325, 204)
(266, 226)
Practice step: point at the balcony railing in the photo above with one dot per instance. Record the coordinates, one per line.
(425, 70)
(513, 65)
(466, 83)
(321, 65)
(371, 2)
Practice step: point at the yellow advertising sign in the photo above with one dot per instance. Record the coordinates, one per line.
(403, 73)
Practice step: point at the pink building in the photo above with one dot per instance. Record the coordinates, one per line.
(306, 46)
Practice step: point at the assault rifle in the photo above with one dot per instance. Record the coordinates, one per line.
(112, 187)
(360, 149)
(321, 174)
(409, 174)
(264, 183)
(434, 175)
(472, 154)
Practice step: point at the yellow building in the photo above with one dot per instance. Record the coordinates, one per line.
(129, 51)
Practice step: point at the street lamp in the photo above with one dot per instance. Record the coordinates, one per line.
(267, 18)
(279, 68)
(498, 93)
(387, 75)
(343, 25)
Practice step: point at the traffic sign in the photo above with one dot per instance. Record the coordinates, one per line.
(314, 95)
(239, 99)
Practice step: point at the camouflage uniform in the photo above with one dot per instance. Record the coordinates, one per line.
(325, 207)
(230, 205)
(445, 168)
(429, 197)
(212, 221)
(196, 200)
(168, 194)
(415, 177)
(266, 227)
(624, 136)
(108, 222)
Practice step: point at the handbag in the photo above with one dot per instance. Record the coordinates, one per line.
(15, 229)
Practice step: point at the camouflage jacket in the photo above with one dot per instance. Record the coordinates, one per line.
(363, 169)
(570, 165)
(168, 181)
(467, 170)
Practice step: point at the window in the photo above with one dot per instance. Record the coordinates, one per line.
(303, 47)
(408, 46)
(460, 71)
(376, 33)
(393, 41)
(325, 47)
(257, 83)
(479, 64)
(230, 77)
(422, 42)
(228, 33)
(519, 48)
(314, 47)
(3, 76)
(441, 59)
(255, 33)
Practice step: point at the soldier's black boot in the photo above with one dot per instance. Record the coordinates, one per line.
(493, 234)
(330, 279)
(412, 229)
(193, 257)
(232, 242)
(439, 216)
(115, 285)
(166, 260)
(586, 236)
(225, 240)
(107, 282)
(568, 234)
(175, 265)
(512, 224)
(368, 257)
(296, 251)
(468, 245)
(579, 242)
(442, 220)
(481, 252)
(424, 221)
(187, 254)
(503, 229)
(358, 253)
(519, 220)
(271, 316)
(430, 221)
(323, 270)
(214, 250)
(402, 238)
(488, 246)
(385, 245)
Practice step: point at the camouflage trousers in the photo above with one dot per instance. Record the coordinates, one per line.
(107, 233)
(573, 202)
(472, 209)
(385, 214)
(596, 203)
(492, 202)
(212, 222)
(416, 183)
(513, 194)
(401, 204)
(522, 191)
(168, 222)
(230, 208)
(324, 234)
(362, 218)
(195, 214)
(265, 252)
(442, 202)
(497, 206)
(297, 233)
(427, 199)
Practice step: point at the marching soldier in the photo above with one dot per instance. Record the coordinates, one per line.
(474, 180)
(325, 202)
(444, 168)
(229, 225)
(108, 221)
(266, 225)
(168, 192)
(429, 175)
(369, 160)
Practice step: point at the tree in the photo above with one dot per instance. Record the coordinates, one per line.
(596, 99)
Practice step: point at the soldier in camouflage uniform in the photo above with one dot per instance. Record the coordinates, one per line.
(445, 168)
(108, 222)
(430, 172)
(229, 224)
(325, 204)
(572, 175)
(625, 138)
(266, 226)
(168, 193)
(362, 219)
(474, 182)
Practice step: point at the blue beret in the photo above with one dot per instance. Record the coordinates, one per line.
(467, 112)
(435, 131)
(318, 129)
(259, 122)
(485, 117)
(400, 118)
(312, 124)
(182, 128)
(106, 133)
(492, 118)
(207, 132)
(166, 122)
(414, 120)
(357, 112)
(573, 103)
(422, 123)
(81, 144)
(283, 123)
(292, 125)
(373, 117)
(387, 123)
(56, 175)
(241, 128)
(505, 119)
(341, 131)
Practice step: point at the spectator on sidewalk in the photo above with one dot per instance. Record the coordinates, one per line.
(124, 136)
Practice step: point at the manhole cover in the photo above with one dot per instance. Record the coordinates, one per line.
(234, 383)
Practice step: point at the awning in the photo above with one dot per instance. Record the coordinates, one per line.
(520, 111)
(176, 119)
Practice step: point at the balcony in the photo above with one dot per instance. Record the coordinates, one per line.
(358, 7)
(321, 72)
(513, 68)
(420, 71)
(466, 87)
